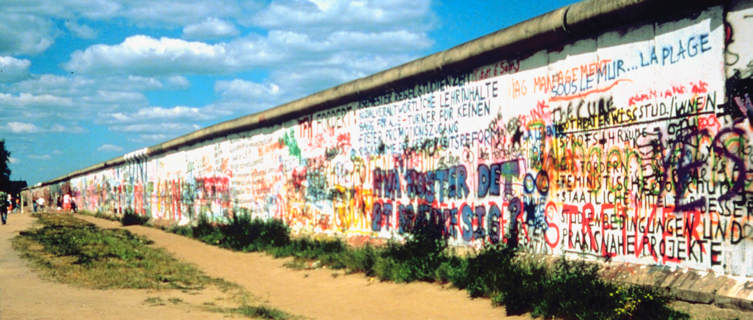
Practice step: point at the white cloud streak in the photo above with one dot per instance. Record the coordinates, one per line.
(24, 34)
(21, 127)
(18, 127)
(80, 30)
(210, 28)
(12, 69)
(147, 56)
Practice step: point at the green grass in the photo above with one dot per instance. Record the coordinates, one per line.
(73, 251)
(99, 214)
(255, 312)
(155, 301)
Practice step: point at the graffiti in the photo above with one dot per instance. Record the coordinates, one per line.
(634, 152)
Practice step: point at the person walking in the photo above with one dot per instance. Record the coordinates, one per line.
(40, 203)
(5, 202)
(67, 202)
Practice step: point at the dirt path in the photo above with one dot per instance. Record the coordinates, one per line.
(23, 295)
(317, 294)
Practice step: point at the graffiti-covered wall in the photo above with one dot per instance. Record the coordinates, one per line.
(633, 145)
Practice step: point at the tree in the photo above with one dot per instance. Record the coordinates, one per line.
(4, 168)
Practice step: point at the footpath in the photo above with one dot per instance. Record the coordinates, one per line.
(23, 295)
(317, 293)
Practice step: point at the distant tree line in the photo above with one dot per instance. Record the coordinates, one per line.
(6, 184)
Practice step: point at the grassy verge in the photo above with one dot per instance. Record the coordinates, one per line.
(566, 289)
(70, 250)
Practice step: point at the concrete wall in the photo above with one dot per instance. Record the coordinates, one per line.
(632, 144)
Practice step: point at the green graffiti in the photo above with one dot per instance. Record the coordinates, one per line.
(288, 139)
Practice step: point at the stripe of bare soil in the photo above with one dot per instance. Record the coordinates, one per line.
(318, 293)
(23, 295)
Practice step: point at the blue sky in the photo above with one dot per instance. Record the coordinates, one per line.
(84, 81)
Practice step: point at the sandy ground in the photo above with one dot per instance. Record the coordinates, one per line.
(23, 295)
(318, 294)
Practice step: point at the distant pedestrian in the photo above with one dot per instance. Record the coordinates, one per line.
(74, 207)
(4, 204)
(67, 202)
(17, 208)
(40, 203)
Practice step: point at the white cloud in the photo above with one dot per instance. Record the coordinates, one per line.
(158, 113)
(145, 55)
(238, 88)
(67, 129)
(120, 117)
(178, 82)
(12, 69)
(13, 160)
(24, 34)
(143, 13)
(210, 28)
(18, 127)
(150, 137)
(148, 56)
(26, 99)
(93, 9)
(78, 99)
(379, 42)
(178, 12)
(336, 15)
(78, 86)
(110, 148)
(81, 30)
(242, 96)
(149, 127)
(104, 100)
(169, 113)
(105, 97)
(21, 127)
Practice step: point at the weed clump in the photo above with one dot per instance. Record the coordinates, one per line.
(423, 251)
(130, 218)
(242, 233)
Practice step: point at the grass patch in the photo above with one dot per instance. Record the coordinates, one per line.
(99, 214)
(73, 251)
(565, 289)
(154, 301)
(255, 312)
